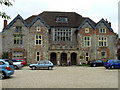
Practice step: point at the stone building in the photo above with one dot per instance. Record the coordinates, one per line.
(0, 45)
(59, 37)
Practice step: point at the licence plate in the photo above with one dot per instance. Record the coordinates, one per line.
(105, 65)
(12, 68)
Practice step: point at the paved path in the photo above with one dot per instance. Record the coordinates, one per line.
(63, 77)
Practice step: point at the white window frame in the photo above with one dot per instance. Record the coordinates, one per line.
(18, 37)
(87, 41)
(38, 39)
(102, 41)
(64, 35)
(102, 30)
(105, 54)
(86, 30)
(38, 29)
(86, 56)
(37, 56)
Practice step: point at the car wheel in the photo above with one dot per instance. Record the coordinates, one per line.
(3, 75)
(112, 67)
(50, 68)
(106, 67)
(94, 65)
(15, 67)
(33, 68)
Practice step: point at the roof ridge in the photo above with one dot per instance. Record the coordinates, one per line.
(58, 12)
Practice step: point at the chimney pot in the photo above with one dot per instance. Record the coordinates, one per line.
(5, 23)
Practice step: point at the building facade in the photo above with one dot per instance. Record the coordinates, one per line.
(0, 45)
(59, 37)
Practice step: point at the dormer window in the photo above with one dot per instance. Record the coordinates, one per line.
(62, 19)
(18, 29)
(38, 29)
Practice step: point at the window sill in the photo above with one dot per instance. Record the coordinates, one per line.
(103, 46)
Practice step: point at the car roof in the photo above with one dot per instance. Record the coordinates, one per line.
(1, 60)
(4, 61)
(113, 59)
(19, 59)
(44, 60)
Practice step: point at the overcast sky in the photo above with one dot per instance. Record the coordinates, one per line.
(94, 9)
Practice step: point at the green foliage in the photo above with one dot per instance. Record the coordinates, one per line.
(3, 15)
(6, 3)
(27, 65)
(5, 55)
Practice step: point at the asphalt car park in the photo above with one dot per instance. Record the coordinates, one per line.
(63, 77)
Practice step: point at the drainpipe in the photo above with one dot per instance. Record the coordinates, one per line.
(95, 43)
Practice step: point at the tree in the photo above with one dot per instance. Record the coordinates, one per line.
(5, 55)
(6, 3)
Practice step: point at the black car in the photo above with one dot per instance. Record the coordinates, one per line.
(96, 63)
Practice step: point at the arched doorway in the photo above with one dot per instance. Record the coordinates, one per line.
(73, 58)
(53, 58)
(63, 58)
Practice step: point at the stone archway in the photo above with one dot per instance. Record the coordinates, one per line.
(73, 58)
(63, 58)
(53, 58)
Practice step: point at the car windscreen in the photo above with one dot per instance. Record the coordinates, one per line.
(21, 60)
(15, 60)
(114, 61)
(10, 62)
(107, 61)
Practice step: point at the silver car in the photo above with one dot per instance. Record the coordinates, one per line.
(42, 64)
(17, 64)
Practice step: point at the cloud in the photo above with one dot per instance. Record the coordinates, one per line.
(95, 9)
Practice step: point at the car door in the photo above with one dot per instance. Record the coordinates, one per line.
(99, 63)
(41, 64)
(118, 63)
(2, 65)
(46, 64)
(115, 63)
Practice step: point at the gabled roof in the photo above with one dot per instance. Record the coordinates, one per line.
(38, 17)
(14, 20)
(103, 21)
(89, 21)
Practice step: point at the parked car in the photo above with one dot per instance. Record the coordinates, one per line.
(17, 64)
(96, 63)
(42, 64)
(112, 63)
(6, 68)
(21, 60)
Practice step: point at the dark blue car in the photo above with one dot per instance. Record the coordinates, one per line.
(112, 63)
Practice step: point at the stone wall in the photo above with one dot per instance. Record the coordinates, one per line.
(0, 45)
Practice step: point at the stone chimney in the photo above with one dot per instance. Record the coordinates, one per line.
(5, 23)
(106, 21)
(109, 24)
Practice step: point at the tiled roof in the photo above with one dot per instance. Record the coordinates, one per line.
(74, 19)
(49, 18)
(30, 19)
